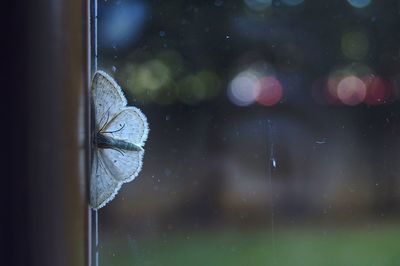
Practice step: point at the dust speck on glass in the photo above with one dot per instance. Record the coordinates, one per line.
(275, 131)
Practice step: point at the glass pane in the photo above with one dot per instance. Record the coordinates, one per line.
(274, 132)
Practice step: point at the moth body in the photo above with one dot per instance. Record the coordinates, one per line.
(106, 142)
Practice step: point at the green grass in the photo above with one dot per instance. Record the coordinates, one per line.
(379, 247)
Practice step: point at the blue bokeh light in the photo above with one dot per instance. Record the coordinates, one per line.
(122, 23)
(292, 2)
(359, 3)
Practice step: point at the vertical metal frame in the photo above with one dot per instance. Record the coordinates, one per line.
(58, 125)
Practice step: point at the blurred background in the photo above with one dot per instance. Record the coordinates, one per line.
(274, 132)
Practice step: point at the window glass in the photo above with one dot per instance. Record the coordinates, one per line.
(274, 132)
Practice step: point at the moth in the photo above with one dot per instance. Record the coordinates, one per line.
(120, 132)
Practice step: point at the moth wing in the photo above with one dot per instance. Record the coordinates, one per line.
(103, 186)
(123, 165)
(107, 96)
(129, 125)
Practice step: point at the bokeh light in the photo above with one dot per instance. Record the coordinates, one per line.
(211, 82)
(258, 5)
(191, 89)
(270, 91)
(152, 75)
(144, 81)
(198, 87)
(244, 89)
(173, 60)
(344, 85)
(331, 88)
(351, 90)
(359, 3)
(292, 2)
(355, 45)
(123, 23)
(164, 80)
(257, 83)
(378, 90)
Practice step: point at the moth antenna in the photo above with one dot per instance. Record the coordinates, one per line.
(114, 130)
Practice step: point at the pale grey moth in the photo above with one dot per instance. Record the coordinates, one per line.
(118, 139)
